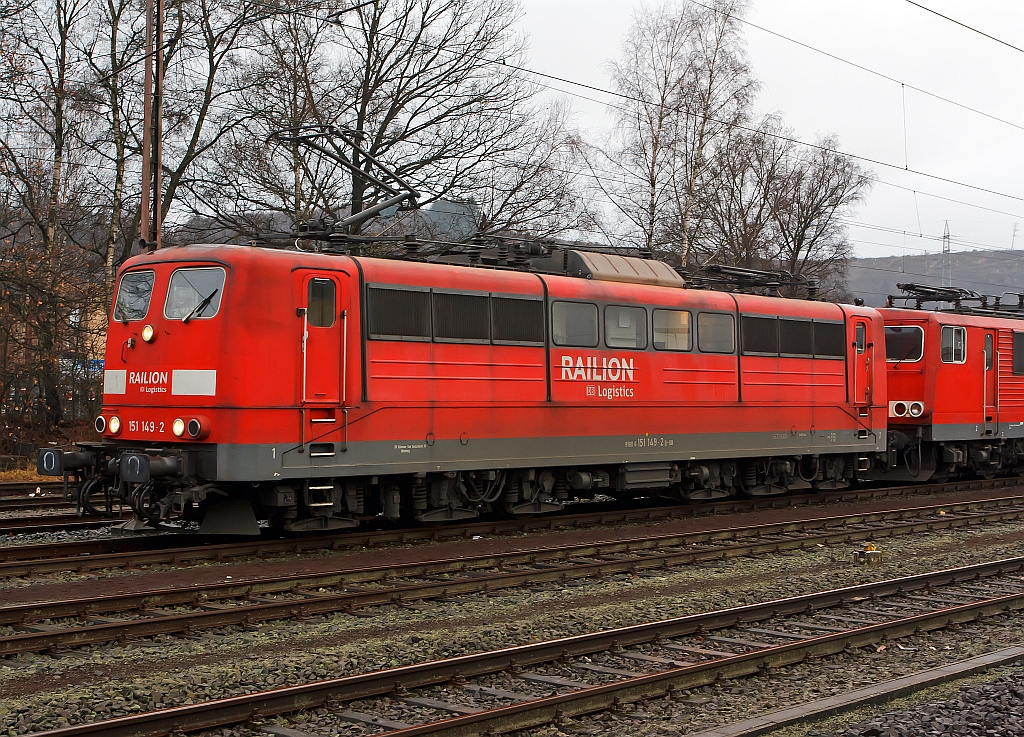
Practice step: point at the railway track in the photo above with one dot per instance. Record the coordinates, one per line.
(184, 548)
(27, 503)
(33, 627)
(17, 496)
(24, 488)
(532, 685)
(30, 525)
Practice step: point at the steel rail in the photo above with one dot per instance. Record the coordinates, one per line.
(31, 525)
(21, 488)
(330, 693)
(18, 503)
(166, 548)
(556, 564)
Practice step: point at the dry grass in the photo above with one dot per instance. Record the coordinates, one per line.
(23, 474)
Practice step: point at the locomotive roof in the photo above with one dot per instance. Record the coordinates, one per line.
(652, 286)
(951, 317)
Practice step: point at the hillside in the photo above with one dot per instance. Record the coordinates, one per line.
(988, 272)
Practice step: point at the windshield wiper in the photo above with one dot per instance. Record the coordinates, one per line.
(201, 306)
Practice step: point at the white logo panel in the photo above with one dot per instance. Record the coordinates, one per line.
(194, 383)
(115, 381)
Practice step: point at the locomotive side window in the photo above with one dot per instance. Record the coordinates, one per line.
(760, 335)
(1018, 354)
(625, 327)
(672, 330)
(860, 337)
(133, 295)
(461, 317)
(715, 333)
(574, 324)
(988, 352)
(194, 294)
(517, 320)
(904, 343)
(398, 313)
(320, 304)
(796, 338)
(954, 344)
(829, 340)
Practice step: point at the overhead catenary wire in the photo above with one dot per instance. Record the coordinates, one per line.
(964, 25)
(526, 70)
(867, 69)
(707, 118)
(608, 92)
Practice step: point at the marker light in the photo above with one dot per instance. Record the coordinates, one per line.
(195, 428)
(114, 425)
(100, 424)
(178, 427)
(916, 409)
(899, 409)
(148, 333)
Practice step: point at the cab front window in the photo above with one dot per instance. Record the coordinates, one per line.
(904, 343)
(133, 294)
(194, 293)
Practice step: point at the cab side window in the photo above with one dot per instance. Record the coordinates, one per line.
(954, 344)
(1018, 354)
(320, 305)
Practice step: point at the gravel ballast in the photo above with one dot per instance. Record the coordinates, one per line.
(98, 682)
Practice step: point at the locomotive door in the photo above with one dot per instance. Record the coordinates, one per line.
(322, 339)
(991, 385)
(861, 391)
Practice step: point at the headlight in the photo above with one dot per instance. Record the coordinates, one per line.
(114, 425)
(198, 427)
(148, 333)
(916, 409)
(178, 427)
(899, 409)
(100, 424)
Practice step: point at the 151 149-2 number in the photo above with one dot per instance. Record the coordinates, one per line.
(145, 426)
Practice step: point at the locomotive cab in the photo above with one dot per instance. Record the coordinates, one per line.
(210, 350)
(956, 383)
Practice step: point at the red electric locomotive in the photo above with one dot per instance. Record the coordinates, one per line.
(956, 384)
(314, 390)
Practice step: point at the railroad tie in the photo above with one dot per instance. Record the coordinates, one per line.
(697, 650)
(498, 693)
(358, 717)
(442, 705)
(551, 680)
(606, 670)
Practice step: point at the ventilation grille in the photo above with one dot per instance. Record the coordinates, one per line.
(398, 313)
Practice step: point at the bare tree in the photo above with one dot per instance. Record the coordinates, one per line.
(815, 192)
(635, 168)
(290, 82)
(429, 93)
(736, 196)
(43, 270)
(423, 86)
(715, 97)
(686, 83)
(114, 55)
(207, 47)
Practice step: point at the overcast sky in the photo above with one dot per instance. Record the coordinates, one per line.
(817, 96)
